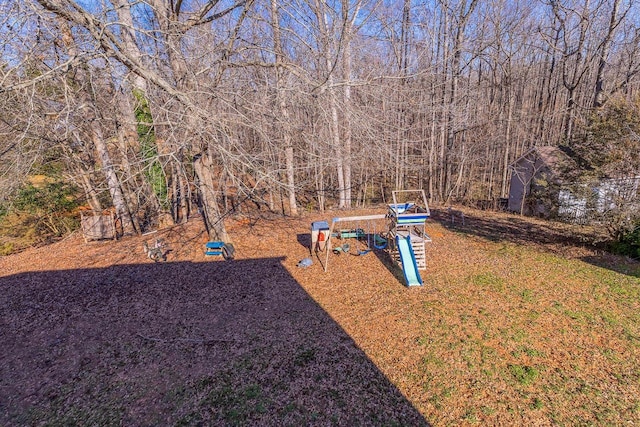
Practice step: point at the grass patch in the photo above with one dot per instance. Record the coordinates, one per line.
(527, 295)
(610, 319)
(235, 405)
(523, 374)
(432, 360)
(488, 280)
(438, 398)
(304, 357)
(528, 351)
(536, 403)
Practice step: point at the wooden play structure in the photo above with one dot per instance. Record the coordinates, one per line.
(402, 233)
(409, 215)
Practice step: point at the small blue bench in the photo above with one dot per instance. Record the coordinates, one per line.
(220, 248)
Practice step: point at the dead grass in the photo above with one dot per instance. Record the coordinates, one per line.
(519, 322)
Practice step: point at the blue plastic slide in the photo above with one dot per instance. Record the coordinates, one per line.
(408, 259)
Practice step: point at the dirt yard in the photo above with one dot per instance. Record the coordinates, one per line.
(519, 322)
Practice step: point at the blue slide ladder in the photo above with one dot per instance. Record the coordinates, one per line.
(408, 260)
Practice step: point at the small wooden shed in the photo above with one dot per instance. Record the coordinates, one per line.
(98, 227)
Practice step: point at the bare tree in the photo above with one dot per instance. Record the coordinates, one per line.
(283, 109)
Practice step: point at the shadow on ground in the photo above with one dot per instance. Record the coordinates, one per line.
(552, 236)
(516, 229)
(392, 265)
(361, 247)
(217, 343)
(618, 264)
(304, 239)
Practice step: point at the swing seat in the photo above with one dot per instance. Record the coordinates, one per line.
(344, 248)
(379, 242)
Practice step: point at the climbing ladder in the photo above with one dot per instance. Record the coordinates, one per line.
(408, 220)
(419, 252)
(417, 245)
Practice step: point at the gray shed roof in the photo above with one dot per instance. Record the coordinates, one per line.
(558, 163)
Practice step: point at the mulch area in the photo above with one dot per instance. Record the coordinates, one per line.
(100, 333)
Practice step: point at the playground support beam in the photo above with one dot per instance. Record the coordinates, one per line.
(345, 219)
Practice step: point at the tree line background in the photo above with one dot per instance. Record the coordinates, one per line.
(163, 108)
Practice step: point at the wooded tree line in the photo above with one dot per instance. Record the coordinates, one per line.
(179, 106)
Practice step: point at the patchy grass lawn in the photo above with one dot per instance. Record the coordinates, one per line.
(519, 322)
(524, 336)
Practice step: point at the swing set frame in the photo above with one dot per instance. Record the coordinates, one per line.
(337, 220)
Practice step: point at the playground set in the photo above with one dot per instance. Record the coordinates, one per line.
(402, 233)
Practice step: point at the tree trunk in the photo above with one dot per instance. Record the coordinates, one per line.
(284, 121)
(91, 116)
(346, 152)
(117, 196)
(213, 219)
